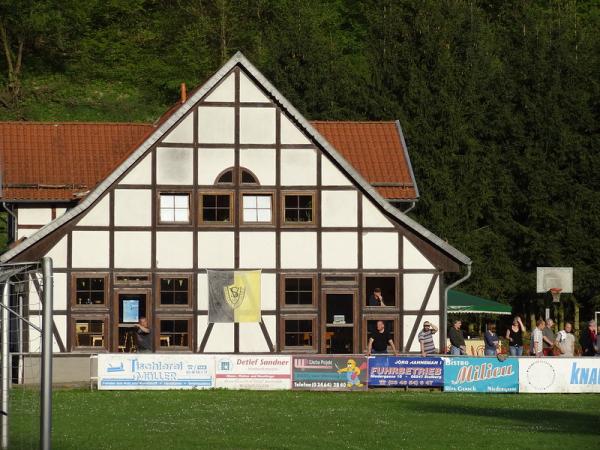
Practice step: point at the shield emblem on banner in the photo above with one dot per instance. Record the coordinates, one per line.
(234, 295)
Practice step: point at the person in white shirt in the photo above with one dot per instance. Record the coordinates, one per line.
(538, 338)
(565, 341)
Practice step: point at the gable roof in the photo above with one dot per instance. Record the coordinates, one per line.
(63, 161)
(237, 59)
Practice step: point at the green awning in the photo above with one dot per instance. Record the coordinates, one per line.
(461, 302)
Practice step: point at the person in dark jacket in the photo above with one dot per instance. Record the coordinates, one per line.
(457, 340)
(588, 339)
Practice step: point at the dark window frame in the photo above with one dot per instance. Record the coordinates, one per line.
(225, 183)
(365, 294)
(241, 181)
(236, 175)
(157, 289)
(72, 332)
(173, 348)
(202, 222)
(312, 222)
(283, 305)
(304, 348)
(73, 291)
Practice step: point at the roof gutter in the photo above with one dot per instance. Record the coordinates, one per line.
(15, 221)
(12, 214)
(410, 208)
(445, 305)
(410, 167)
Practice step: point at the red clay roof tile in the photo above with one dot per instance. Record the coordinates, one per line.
(57, 161)
(375, 150)
(62, 161)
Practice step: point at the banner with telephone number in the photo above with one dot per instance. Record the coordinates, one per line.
(399, 371)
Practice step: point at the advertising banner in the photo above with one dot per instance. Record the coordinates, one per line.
(332, 373)
(155, 371)
(481, 375)
(393, 371)
(259, 372)
(553, 375)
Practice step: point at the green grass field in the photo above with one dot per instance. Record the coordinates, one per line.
(270, 420)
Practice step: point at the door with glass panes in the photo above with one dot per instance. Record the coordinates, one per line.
(338, 315)
(130, 304)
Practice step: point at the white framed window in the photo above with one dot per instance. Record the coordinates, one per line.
(174, 208)
(257, 208)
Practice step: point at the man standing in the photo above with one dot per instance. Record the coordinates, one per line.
(538, 339)
(565, 341)
(426, 339)
(379, 340)
(376, 299)
(549, 337)
(143, 336)
(588, 339)
(457, 340)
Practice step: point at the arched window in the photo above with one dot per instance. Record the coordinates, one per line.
(247, 177)
(226, 177)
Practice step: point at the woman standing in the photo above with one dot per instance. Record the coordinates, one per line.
(515, 337)
(491, 340)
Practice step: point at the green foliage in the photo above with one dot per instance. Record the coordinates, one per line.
(499, 101)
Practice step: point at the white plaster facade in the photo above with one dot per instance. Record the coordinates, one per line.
(349, 235)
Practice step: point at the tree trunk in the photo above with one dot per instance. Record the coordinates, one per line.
(576, 314)
(561, 316)
(222, 5)
(13, 67)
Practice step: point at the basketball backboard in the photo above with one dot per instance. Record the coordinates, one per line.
(555, 277)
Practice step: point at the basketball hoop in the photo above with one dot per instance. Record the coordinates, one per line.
(555, 294)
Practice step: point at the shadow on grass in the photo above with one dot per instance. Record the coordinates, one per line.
(558, 421)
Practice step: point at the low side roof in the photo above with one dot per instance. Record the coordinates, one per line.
(63, 161)
(378, 151)
(60, 161)
(238, 60)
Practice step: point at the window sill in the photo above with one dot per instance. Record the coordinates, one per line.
(299, 350)
(90, 307)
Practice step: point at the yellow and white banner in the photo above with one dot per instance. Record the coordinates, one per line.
(234, 296)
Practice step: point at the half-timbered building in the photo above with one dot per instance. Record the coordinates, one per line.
(232, 178)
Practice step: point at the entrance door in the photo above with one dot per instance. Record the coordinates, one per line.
(130, 305)
(341, 330)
